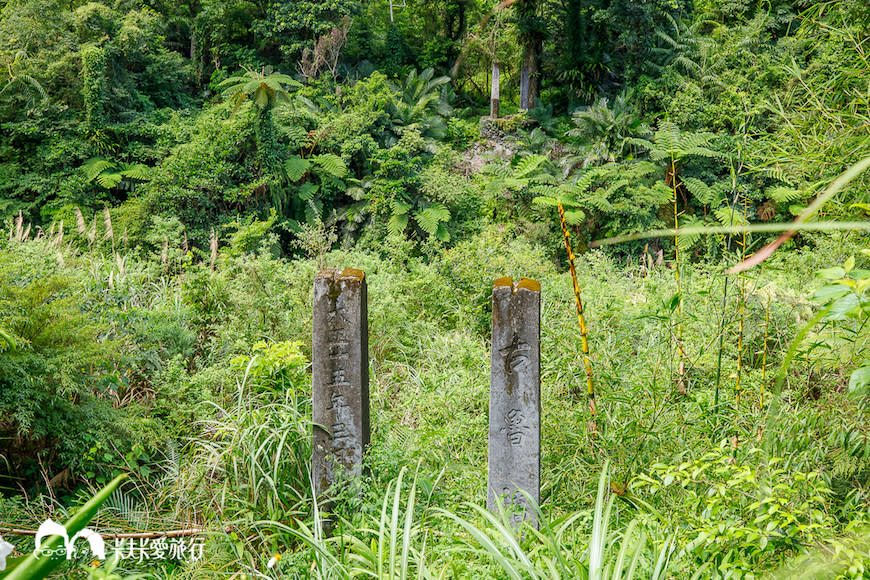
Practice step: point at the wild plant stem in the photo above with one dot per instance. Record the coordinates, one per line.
(764, 353)
(740, 338)
(681, 368)
(722, 307)
(721, 341)
(578, 302)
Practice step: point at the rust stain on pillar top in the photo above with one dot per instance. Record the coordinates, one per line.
(528, 284)
(506, 281)
(522, 283)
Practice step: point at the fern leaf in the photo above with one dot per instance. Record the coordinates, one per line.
(701, 152)
(296, 167)
(397, 224)
(429, 218)
(332, 164)
(529, 164)
(708, 195)
(136, 171)
(686, 241)
(96, 165)
(783, 194)
(729, 216)
(307, 191)
(109, 179)
(545, 201)
(313, 211)
(575, 217)
(400, 208)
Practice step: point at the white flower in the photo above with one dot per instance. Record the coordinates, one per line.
(275, 559)
(5, 549)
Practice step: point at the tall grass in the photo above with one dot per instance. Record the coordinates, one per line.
(413, 540)
(251, 462)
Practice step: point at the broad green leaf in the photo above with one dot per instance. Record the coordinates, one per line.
(830, 292)
(860, 379)
(849, 264)
(834, 273)
(843, 307)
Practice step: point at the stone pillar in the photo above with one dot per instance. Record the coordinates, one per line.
(515, 397)
(339, 376)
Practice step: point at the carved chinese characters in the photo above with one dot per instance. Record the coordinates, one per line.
(515, 397)
(340, 376)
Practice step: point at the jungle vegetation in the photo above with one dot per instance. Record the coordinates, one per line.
(174, 174)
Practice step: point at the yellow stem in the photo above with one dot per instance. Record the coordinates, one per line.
(681, 369)
(584, 340)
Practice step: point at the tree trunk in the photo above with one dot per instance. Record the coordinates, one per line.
(524, 86)
(531, 38)
(495, 92)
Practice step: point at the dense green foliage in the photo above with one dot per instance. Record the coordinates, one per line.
(173, 175)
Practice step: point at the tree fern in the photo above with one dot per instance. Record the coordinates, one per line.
(711, 195)
(109, 174)
(527, 165)
(730, 216)
(296, 167)
(398, 217)
(331, 164)
(669, 142)
(783, 194)
(95, 166)
(431, 217)
(136, 171)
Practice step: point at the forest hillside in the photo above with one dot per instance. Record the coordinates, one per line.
(685, 181)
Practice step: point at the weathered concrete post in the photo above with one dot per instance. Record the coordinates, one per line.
(515, 397)
(340, 375)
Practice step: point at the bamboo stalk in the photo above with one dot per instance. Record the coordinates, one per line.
(681, 369)
(740, 332)
(584, 340)
(764, 353)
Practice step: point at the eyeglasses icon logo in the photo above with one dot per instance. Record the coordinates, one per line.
(52, 528)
